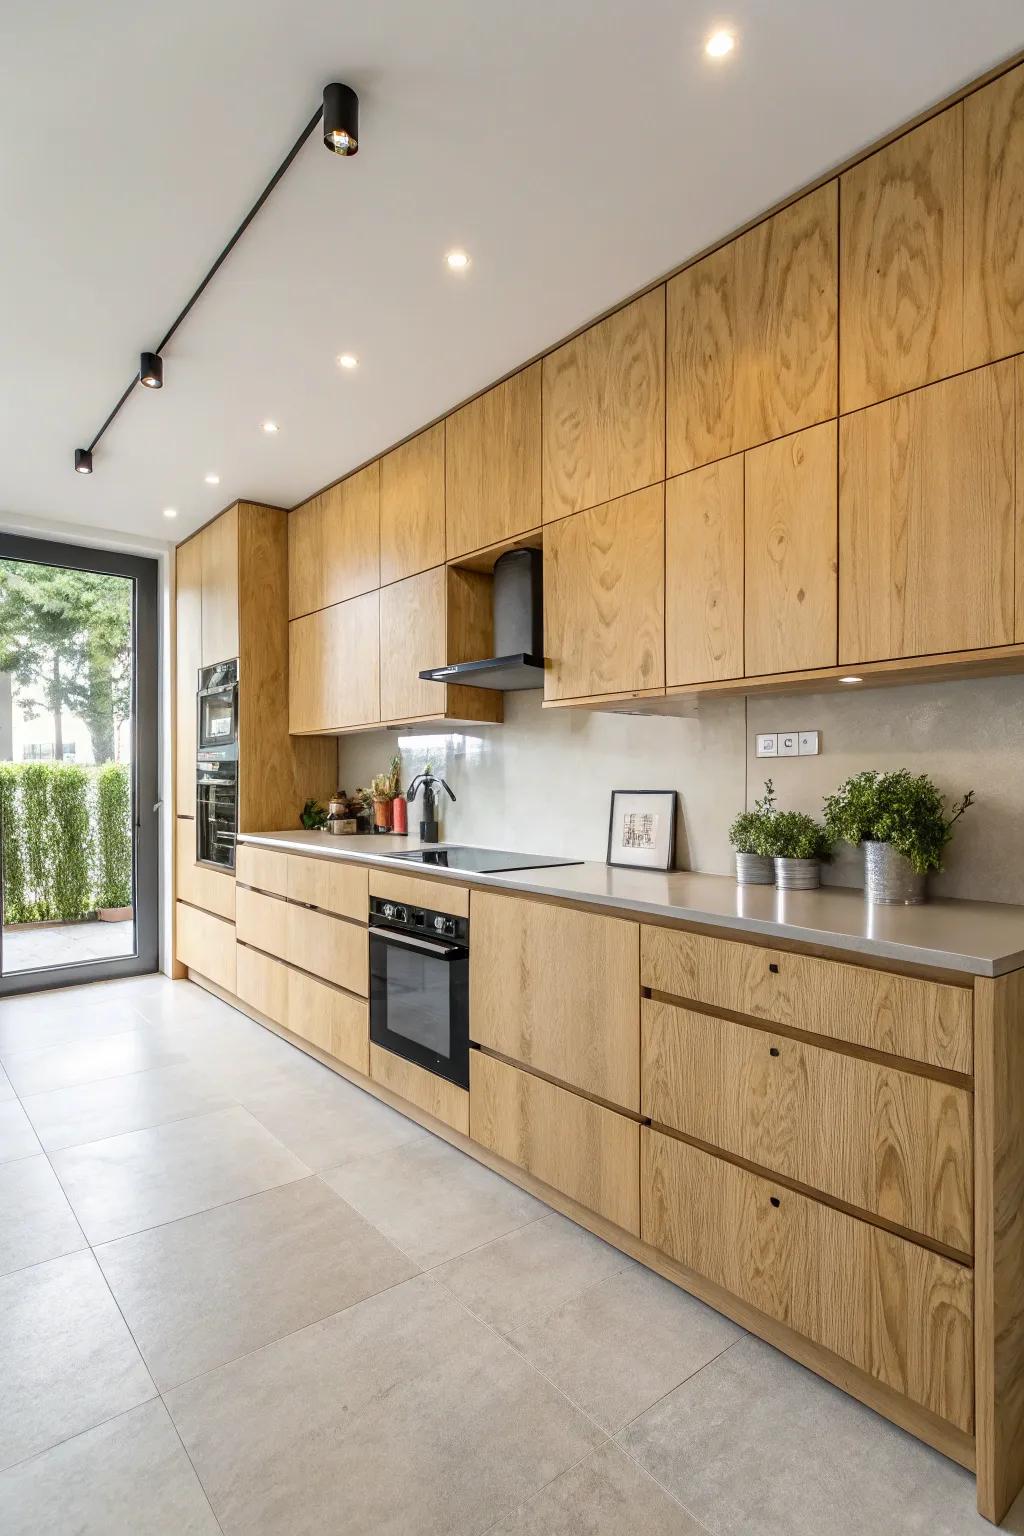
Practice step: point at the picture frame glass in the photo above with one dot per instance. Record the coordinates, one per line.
(641, 828)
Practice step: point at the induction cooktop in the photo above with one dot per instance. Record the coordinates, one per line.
(481, 861)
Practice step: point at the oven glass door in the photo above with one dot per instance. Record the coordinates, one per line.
(217, 818)
(217, 719)
(419, 1001)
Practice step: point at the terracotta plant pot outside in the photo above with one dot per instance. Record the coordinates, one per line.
(114, 914)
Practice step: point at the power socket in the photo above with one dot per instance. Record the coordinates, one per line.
(787, 744)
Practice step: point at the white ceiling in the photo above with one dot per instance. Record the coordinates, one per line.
(576, 149)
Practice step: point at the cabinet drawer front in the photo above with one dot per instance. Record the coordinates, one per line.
(263, 868)
(558, 990)
(588, 1152)
(445, 1101)
(262, 921)
(890, 1142)
(332, 1020)
(198, 884)
(262, 983)
(893, 1309)
(329, 947)
(335, 887)
(437, 895)
(903, 1015)
(206, 944)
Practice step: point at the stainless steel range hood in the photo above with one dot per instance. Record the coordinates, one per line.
(518, 630)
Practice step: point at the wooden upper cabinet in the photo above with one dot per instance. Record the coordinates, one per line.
(752, 336)
(188, 587)
(492, 465)
(604, 599)
(412, 506)
(334, 544)
(1019, 524)
(901, 264)
(218, 554)
(704, 574)
(334, 667)
(604, 409)
(926, 520)
(791, 591)
(994, 220)
(412, 631)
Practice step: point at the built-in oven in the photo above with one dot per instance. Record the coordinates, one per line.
(216, 809)
(217, 710)
(419, 987)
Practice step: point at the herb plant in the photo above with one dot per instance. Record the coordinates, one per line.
(747, 833)
(901, 808)
(792, 835)
(313, 816)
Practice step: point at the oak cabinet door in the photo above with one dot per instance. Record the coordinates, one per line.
(334, 667)
(704, 574)
(412, 628)
(994, 220)
(604, 598)
(334, 543)
(604, 409)
(901, 264)
(492, 465)
(188, 578)
(306, 580)
(791, 589)
(412, 506)
(926, 520)
(218, 553)
(752, 336)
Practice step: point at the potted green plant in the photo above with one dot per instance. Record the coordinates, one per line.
(384, 789)
(753, 865)
(799, 845)
(902, 822)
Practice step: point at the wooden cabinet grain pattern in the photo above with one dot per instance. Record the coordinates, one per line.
(413, 636)
(334, 666)
(262, 983)
(332, 886)
(492, 465)
(901, 261)
(604, 598)
(1018, 628)
(558, 990)
(262, 921)
(604, 409)
(199, 884)
(206, 944)
(994, 220)
(436, 895)
(446, 1101)
(188, 602)
(790, 555)
(334, 543)
(889, 1306)
(578, 1147)
(332, 1020)
(264, 868)
(890, 1142)
(412, 534)
(926, 520)
(218, 553)
(704, 574)
(328, 947)
(752, 336)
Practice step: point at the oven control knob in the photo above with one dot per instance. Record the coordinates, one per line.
(401, 915)
(389, 910)
(444, 924)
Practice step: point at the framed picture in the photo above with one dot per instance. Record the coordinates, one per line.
(642, 828)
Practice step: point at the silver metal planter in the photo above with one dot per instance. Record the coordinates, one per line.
(891, 878)
(754, 869)
(797, 874)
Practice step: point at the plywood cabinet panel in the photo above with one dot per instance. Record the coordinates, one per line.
(791, 582)
(492, 465)
(188, 574)
(890, 1307)
(582, 1149)
(200, 884)
(325, 883)
(262, 921)
(262, 983)
(1019, 509)
(328, 947)
(332, 1020)
(926, 520)
(604, 598)
(752, 333)
(887, 1141)
(413, 636)
(263, 868)
(704, 574)
(994, 220)
(604, 409)
(446, 1101)
(334, 659)
(558, 990)
(218, 553)
(205, 944)
(412, 506)
(334, 543)
(902, 276)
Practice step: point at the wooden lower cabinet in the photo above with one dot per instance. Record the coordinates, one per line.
(578, 1147)
(890, 1142)
(205, 944)
(263, 868)
(894, 1309)
(329, 1019)
(262, 982)
(332, 886)
(199, 884)
(446, 1101)
(326, 946)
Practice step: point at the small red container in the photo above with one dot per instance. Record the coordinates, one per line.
(400, 815)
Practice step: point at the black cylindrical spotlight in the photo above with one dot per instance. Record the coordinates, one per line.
(151, 370)
(83, 461)
(341, 119)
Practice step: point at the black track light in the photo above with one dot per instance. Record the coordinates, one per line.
(341, 119)
(151, 370)
(83, 461)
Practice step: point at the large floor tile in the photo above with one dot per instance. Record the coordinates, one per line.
(6, 1089)
(86, 1061)
(605, 1495)
(619, 1346)
(202, 1291)
(17, 1138)
(755, 1443)
(36, 1221)
(68, 1117)
(69, 1361)
(128, 1477)
(432, 1200)
(402, 1414)
(43, 1019)
(530, 1272)
(127, 1183)
(326, 1120)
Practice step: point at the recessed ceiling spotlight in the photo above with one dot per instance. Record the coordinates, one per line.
(457, 261)
(212, 479)
(170, 511)
(151, 370)
(83, 461)
(347, 360)
(851, 679)
(719, 44)
(269, 427)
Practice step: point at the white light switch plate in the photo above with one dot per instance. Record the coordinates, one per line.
(789, 743)
(767, 746)
(809, 746)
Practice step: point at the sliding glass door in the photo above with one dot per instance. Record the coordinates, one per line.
(78, 765)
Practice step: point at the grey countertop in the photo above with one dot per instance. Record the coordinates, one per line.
(981, 938)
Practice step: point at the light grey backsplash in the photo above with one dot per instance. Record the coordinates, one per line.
(541, 782)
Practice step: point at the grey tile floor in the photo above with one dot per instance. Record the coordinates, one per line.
(38, 948)
(239, 1295)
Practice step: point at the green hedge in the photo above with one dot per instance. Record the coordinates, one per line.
(67, 841)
